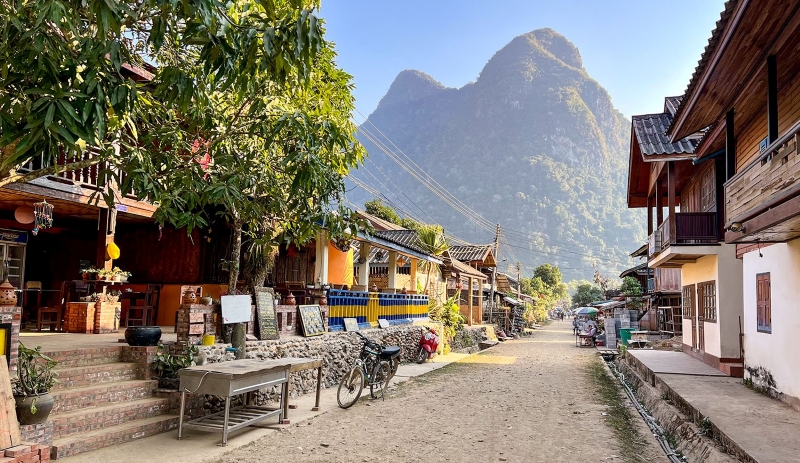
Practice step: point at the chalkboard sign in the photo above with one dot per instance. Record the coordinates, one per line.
(351, 324)
(265, 314)
(311, 319)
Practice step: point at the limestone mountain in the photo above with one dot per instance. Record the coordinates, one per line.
(534, 144)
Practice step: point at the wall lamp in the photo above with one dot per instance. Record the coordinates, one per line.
(737, 227)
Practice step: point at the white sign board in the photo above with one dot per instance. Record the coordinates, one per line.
(383, 323)
(235, 309)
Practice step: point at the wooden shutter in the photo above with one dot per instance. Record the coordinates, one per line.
(688, 301)
(763, 303)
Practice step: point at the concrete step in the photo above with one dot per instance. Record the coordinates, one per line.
(93, 440)
(84, 357)
(68, 400)
(101, 417)
(734, 370)
(88, 375)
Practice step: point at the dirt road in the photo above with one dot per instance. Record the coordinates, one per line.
(537, 399)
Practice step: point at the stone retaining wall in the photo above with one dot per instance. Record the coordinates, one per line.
(339, 350)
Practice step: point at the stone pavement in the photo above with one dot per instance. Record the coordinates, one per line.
(200, 446)
(765, 429)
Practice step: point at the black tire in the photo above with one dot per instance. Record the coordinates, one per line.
(381, 378)
(422, 355)
(394, 364)
(350, 387)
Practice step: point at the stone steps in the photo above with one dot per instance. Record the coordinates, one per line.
(734, 370)
(72, 399)
(126, 432)
(88, 375)
(85, 357)
(105, 416)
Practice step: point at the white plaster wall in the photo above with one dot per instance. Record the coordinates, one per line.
(722, 337)
(775, 352)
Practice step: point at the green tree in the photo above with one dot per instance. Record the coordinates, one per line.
(630, 286)
(549, 274)
(377, 208)
(586, 294)
(64, 89)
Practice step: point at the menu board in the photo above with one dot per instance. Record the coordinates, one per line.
(311, 319)
(351, 324)
(265, 314)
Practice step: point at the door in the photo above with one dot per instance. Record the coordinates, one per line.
(690, 311)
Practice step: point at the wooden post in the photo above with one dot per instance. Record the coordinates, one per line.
(321, 263)
(469, 300)
(107, 223)
(671, 201)
(649, 215)
(730, 146)
(772, 98)
(392, 269)
(363, 269)
(413, 265)
(659, 203)
(480, 298)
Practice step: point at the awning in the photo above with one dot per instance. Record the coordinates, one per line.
(512, 301)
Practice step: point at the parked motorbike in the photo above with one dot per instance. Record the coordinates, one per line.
(428, 344)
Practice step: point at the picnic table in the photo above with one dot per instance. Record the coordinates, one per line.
(584, 340)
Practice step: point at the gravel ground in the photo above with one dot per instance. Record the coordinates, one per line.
(531, 400)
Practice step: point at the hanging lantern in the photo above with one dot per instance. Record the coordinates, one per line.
(43, 216)
(112, 250)
(24, 214)
(401, 261)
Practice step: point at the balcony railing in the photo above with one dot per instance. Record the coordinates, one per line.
(766, 182)
(368, 307)
(94, 177)
(690, 228)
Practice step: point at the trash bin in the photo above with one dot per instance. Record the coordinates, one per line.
(625, 335)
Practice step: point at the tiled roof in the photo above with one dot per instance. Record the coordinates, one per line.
(651, 133)
(671, 104)
(378, 222)
(407, 238)
(470, 252)
(724, 17)
(640, 269)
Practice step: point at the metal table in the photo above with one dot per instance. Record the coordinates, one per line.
(228, 379)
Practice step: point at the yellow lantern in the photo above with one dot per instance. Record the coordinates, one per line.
(112, 250)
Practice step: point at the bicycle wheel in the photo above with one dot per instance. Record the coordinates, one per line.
(394, 364)
(350, 387)
(377, 385)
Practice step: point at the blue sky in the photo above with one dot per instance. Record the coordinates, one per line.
(640, 51)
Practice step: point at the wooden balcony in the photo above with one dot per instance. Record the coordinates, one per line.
(690, 229)
(764, 196)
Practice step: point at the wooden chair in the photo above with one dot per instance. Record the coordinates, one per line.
(52, 316)
(143, 307)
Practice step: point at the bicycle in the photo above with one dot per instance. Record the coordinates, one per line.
(372, 368)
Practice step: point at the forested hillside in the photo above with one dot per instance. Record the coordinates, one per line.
(534, 144)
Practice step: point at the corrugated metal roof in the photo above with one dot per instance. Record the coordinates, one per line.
(470, 252)
(651, 134)
(465, 269)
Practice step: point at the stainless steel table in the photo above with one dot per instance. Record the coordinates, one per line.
(228, 379)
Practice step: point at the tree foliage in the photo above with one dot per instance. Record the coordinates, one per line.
(377, 208)
(65, 88)
(586, 294)
(630, 286)
(547, 290)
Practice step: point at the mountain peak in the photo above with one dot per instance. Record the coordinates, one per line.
(557, 45)
(410, 85)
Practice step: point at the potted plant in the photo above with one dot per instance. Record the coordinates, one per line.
(124, 275)
(113, 296)
(35, 378)
(104, 274)
(88, 273)
(166, 365)
(206, 300)
(116, 274)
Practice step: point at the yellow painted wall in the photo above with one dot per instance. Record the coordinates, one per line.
(340, 266)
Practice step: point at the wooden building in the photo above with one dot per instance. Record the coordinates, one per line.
(745, 98)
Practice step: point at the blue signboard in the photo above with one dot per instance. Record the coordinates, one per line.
(14, 236)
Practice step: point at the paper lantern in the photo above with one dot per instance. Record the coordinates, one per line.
(112, 250)
(24, 214)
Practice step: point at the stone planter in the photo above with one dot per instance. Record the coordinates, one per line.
(206, 300)
(142, 335)
(33, 409)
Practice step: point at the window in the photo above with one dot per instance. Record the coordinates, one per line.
(688, 301)
(763, 303)
(708, 193)
(707, 294)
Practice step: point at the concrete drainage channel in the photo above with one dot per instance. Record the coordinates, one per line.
(651, 422)
(680, 438)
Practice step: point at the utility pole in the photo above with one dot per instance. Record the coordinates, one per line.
(519, 281)
(494, 272)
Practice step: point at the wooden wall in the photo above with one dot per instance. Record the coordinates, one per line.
(174, 257)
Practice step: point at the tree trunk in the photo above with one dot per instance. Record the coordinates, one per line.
(236, 253)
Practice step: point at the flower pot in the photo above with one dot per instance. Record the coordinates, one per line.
(142, 335)
(85, 276)
(33, 409)
(206, 300)
(116, 278)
